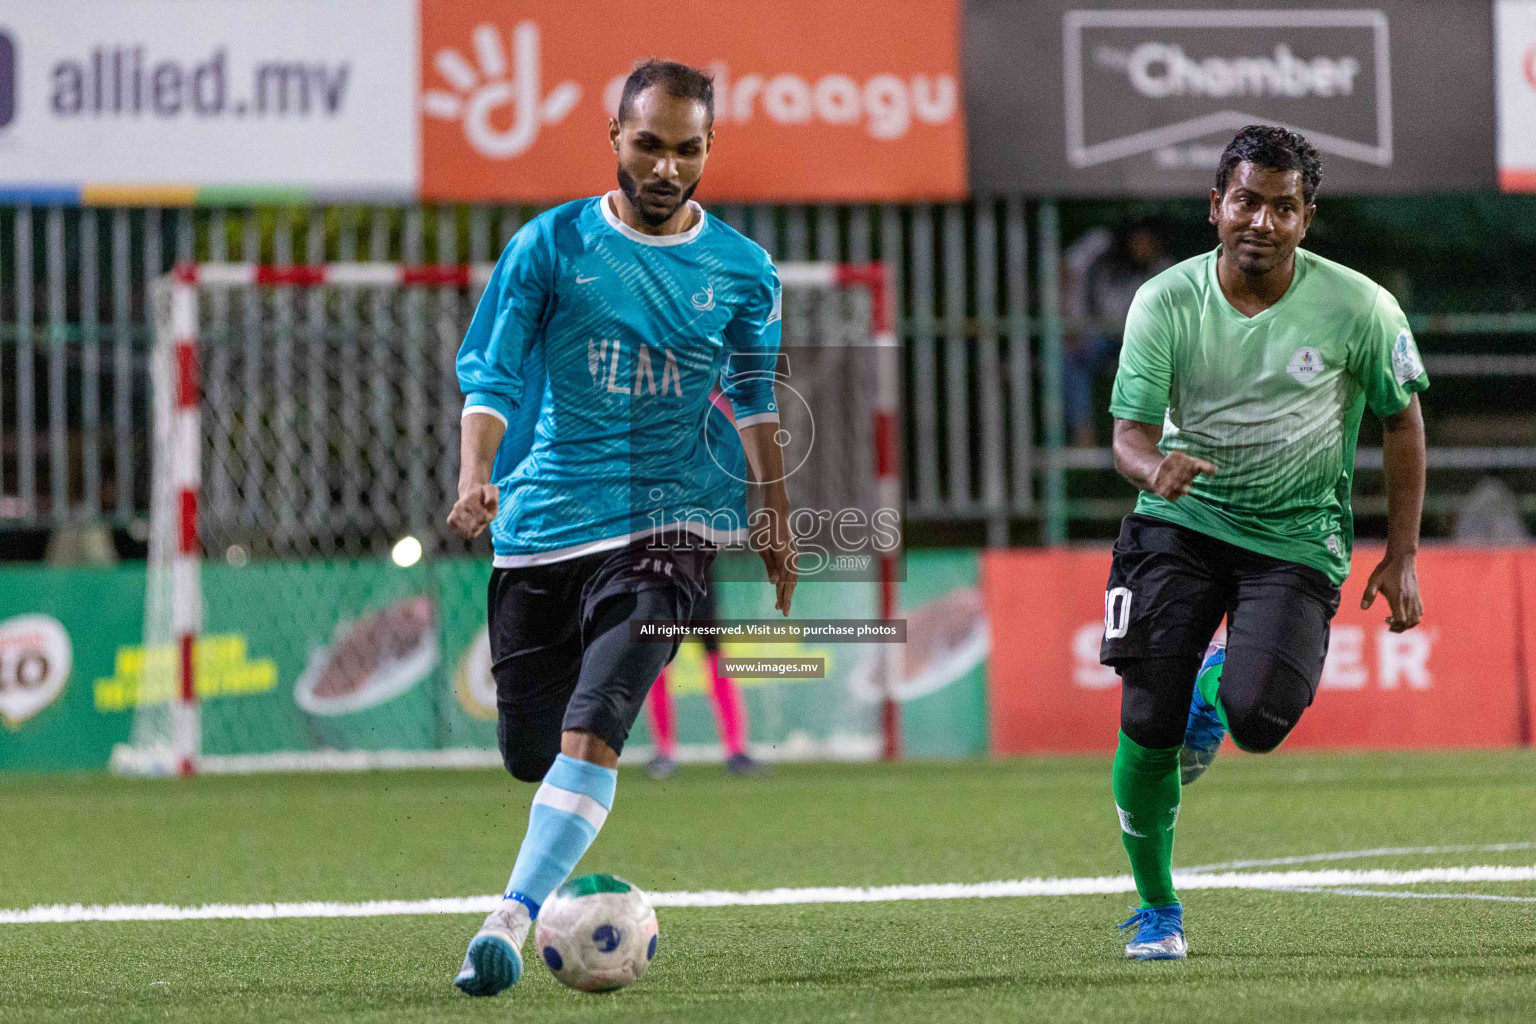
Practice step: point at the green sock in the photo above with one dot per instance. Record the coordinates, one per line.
(1147, 797)
(1208, 682)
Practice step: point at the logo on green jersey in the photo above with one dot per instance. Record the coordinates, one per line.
(1306, 364)
(1405, 358)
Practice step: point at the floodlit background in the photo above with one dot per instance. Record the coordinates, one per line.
(1015, 170)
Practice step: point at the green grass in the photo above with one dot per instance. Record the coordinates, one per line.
(1256, 955)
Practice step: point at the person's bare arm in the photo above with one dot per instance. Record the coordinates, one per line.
(1139, 461)
(1402, 458)
(766, 459)
(479, 435)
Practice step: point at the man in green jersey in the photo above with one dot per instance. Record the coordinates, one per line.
(1241, 386)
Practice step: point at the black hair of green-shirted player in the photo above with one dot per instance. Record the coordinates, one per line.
(678, 80)
(1278, 149)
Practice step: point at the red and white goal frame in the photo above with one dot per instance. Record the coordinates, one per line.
(188, 281)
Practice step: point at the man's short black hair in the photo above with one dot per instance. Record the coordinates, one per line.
(1278, 149)
(677, 80)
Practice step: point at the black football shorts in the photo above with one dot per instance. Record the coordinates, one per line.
(1170, 586)
(561, 652)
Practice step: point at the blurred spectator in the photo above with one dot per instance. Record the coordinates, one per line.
(1490, 515)
(76, 544)
(1103, 270)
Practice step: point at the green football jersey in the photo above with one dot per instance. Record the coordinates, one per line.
(1273, 401)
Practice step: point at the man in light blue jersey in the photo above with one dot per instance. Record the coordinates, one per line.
(592, 451)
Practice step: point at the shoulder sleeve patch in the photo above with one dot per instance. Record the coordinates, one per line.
(1406, 365)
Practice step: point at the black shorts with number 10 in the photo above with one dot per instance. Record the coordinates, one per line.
(1170, 587)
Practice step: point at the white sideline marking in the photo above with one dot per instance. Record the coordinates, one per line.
(66, 913)
(1380, 851)
(1294, 880)
(1419, 895)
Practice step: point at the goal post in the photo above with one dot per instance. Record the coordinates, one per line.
(877, 281)
(306, 606)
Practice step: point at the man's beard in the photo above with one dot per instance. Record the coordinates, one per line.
(1255, 265)
(631, 190)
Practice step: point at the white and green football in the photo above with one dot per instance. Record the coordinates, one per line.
(597, 933)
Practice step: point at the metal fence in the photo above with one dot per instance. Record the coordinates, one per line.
(981, 324)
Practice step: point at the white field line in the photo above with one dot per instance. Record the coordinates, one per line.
(67, 913)
(1380, 851)
(1488, 897)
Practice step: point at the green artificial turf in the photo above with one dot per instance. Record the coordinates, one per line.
(1257, 955)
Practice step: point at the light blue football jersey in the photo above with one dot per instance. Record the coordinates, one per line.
(599, 347)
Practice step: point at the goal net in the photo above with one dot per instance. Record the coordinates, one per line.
(306, 604)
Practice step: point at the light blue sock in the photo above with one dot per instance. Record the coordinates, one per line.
(568, 810)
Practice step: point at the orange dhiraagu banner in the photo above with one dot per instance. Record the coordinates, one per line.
(855, 100)
(1455, 681)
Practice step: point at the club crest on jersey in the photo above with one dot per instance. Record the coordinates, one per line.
(704, 299)
(1306, 364)
(1405, 358)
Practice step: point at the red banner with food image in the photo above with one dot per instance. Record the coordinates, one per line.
(1458, 680)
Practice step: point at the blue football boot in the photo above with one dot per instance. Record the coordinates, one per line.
(1204, 732)
(1159, 934)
